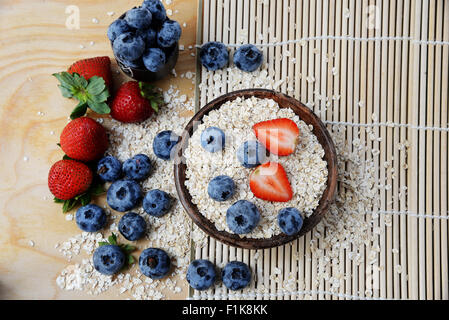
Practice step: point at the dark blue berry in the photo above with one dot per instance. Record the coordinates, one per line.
(123, 195)
(242, 217)
(213, 139)
(201, 274)
(129, 46)
(251, 154)
(138, 18)
(109, 169)
(108, 259)
(290, 221)
(157, 203)
(214, 55)
(154, 59)
(116, 28)
(248, 58)
(138, 167)
(148, 36)
(236, 275)
(132, 226)
(154, 263)
(90, 218)
(169, 33)
(157, 10)
(221, 188)
(164, 143)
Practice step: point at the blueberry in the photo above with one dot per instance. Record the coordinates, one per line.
(148, 36)
(157, 10)
(290, 221)
(201, 274)
(132, 226)
(157, 203)
(90, 218)
(251, 154)
(242, 217)
(128, 46)
(169, 33)
(214, 55)
(109, 169)
(138, 167)
(221, 188)
(108, 259)
(248, 58)
(236, 275)
(123, 195)
(136, 64)
(154, 263)
(213, 139)
(138, 18)
(116, 28)
(163, 144)
(154, 59)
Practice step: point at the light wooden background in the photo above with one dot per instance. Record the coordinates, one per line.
(402, 80)
(34, 43)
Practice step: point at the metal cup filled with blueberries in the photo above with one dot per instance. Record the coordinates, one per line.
(145, 41)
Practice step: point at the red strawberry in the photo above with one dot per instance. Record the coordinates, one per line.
(69, 178)
(97, 66)
(269, 182)
(279, 136)
(135, 102)
(84, 139)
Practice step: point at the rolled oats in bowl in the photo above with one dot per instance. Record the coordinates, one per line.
(306, 168)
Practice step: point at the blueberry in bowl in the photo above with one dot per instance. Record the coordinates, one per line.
(242, 217)
(221, 188)
(145, 42)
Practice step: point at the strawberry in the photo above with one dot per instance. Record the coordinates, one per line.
(69, 178)
(84, 139)
(269, 182)
(87, 81)
(135, 102)
(279, 136)
(97, 66)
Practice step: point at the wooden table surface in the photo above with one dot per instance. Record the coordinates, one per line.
(34, 43)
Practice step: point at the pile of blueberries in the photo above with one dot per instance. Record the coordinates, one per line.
(124, 194)
(214, 55)
(145, 37)
(243, 216)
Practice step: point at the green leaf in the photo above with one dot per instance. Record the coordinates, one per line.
(101, 108)
(68, 205)
(97, 189)
(113, 239)
(131, 260)
(66, 157)
(79, 111)
(85, 199)
(103, 243)
(154, 105)
(127, 248)
(56, 200)
(96, 85)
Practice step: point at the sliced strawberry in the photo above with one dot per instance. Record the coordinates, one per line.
(269, 182)
(279, 136)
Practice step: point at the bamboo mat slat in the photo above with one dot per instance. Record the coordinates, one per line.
(377, 72)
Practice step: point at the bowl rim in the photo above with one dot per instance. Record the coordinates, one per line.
(319, 130)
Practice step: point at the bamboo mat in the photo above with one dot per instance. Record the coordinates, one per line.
(377, 73)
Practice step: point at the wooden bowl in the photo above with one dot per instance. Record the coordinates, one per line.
(319, 130)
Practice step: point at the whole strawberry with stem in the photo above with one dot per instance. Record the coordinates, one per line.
(68, 179)
(84, 139)
(88, 81)
(135, 102)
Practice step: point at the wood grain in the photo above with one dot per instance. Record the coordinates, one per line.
(34, 43)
